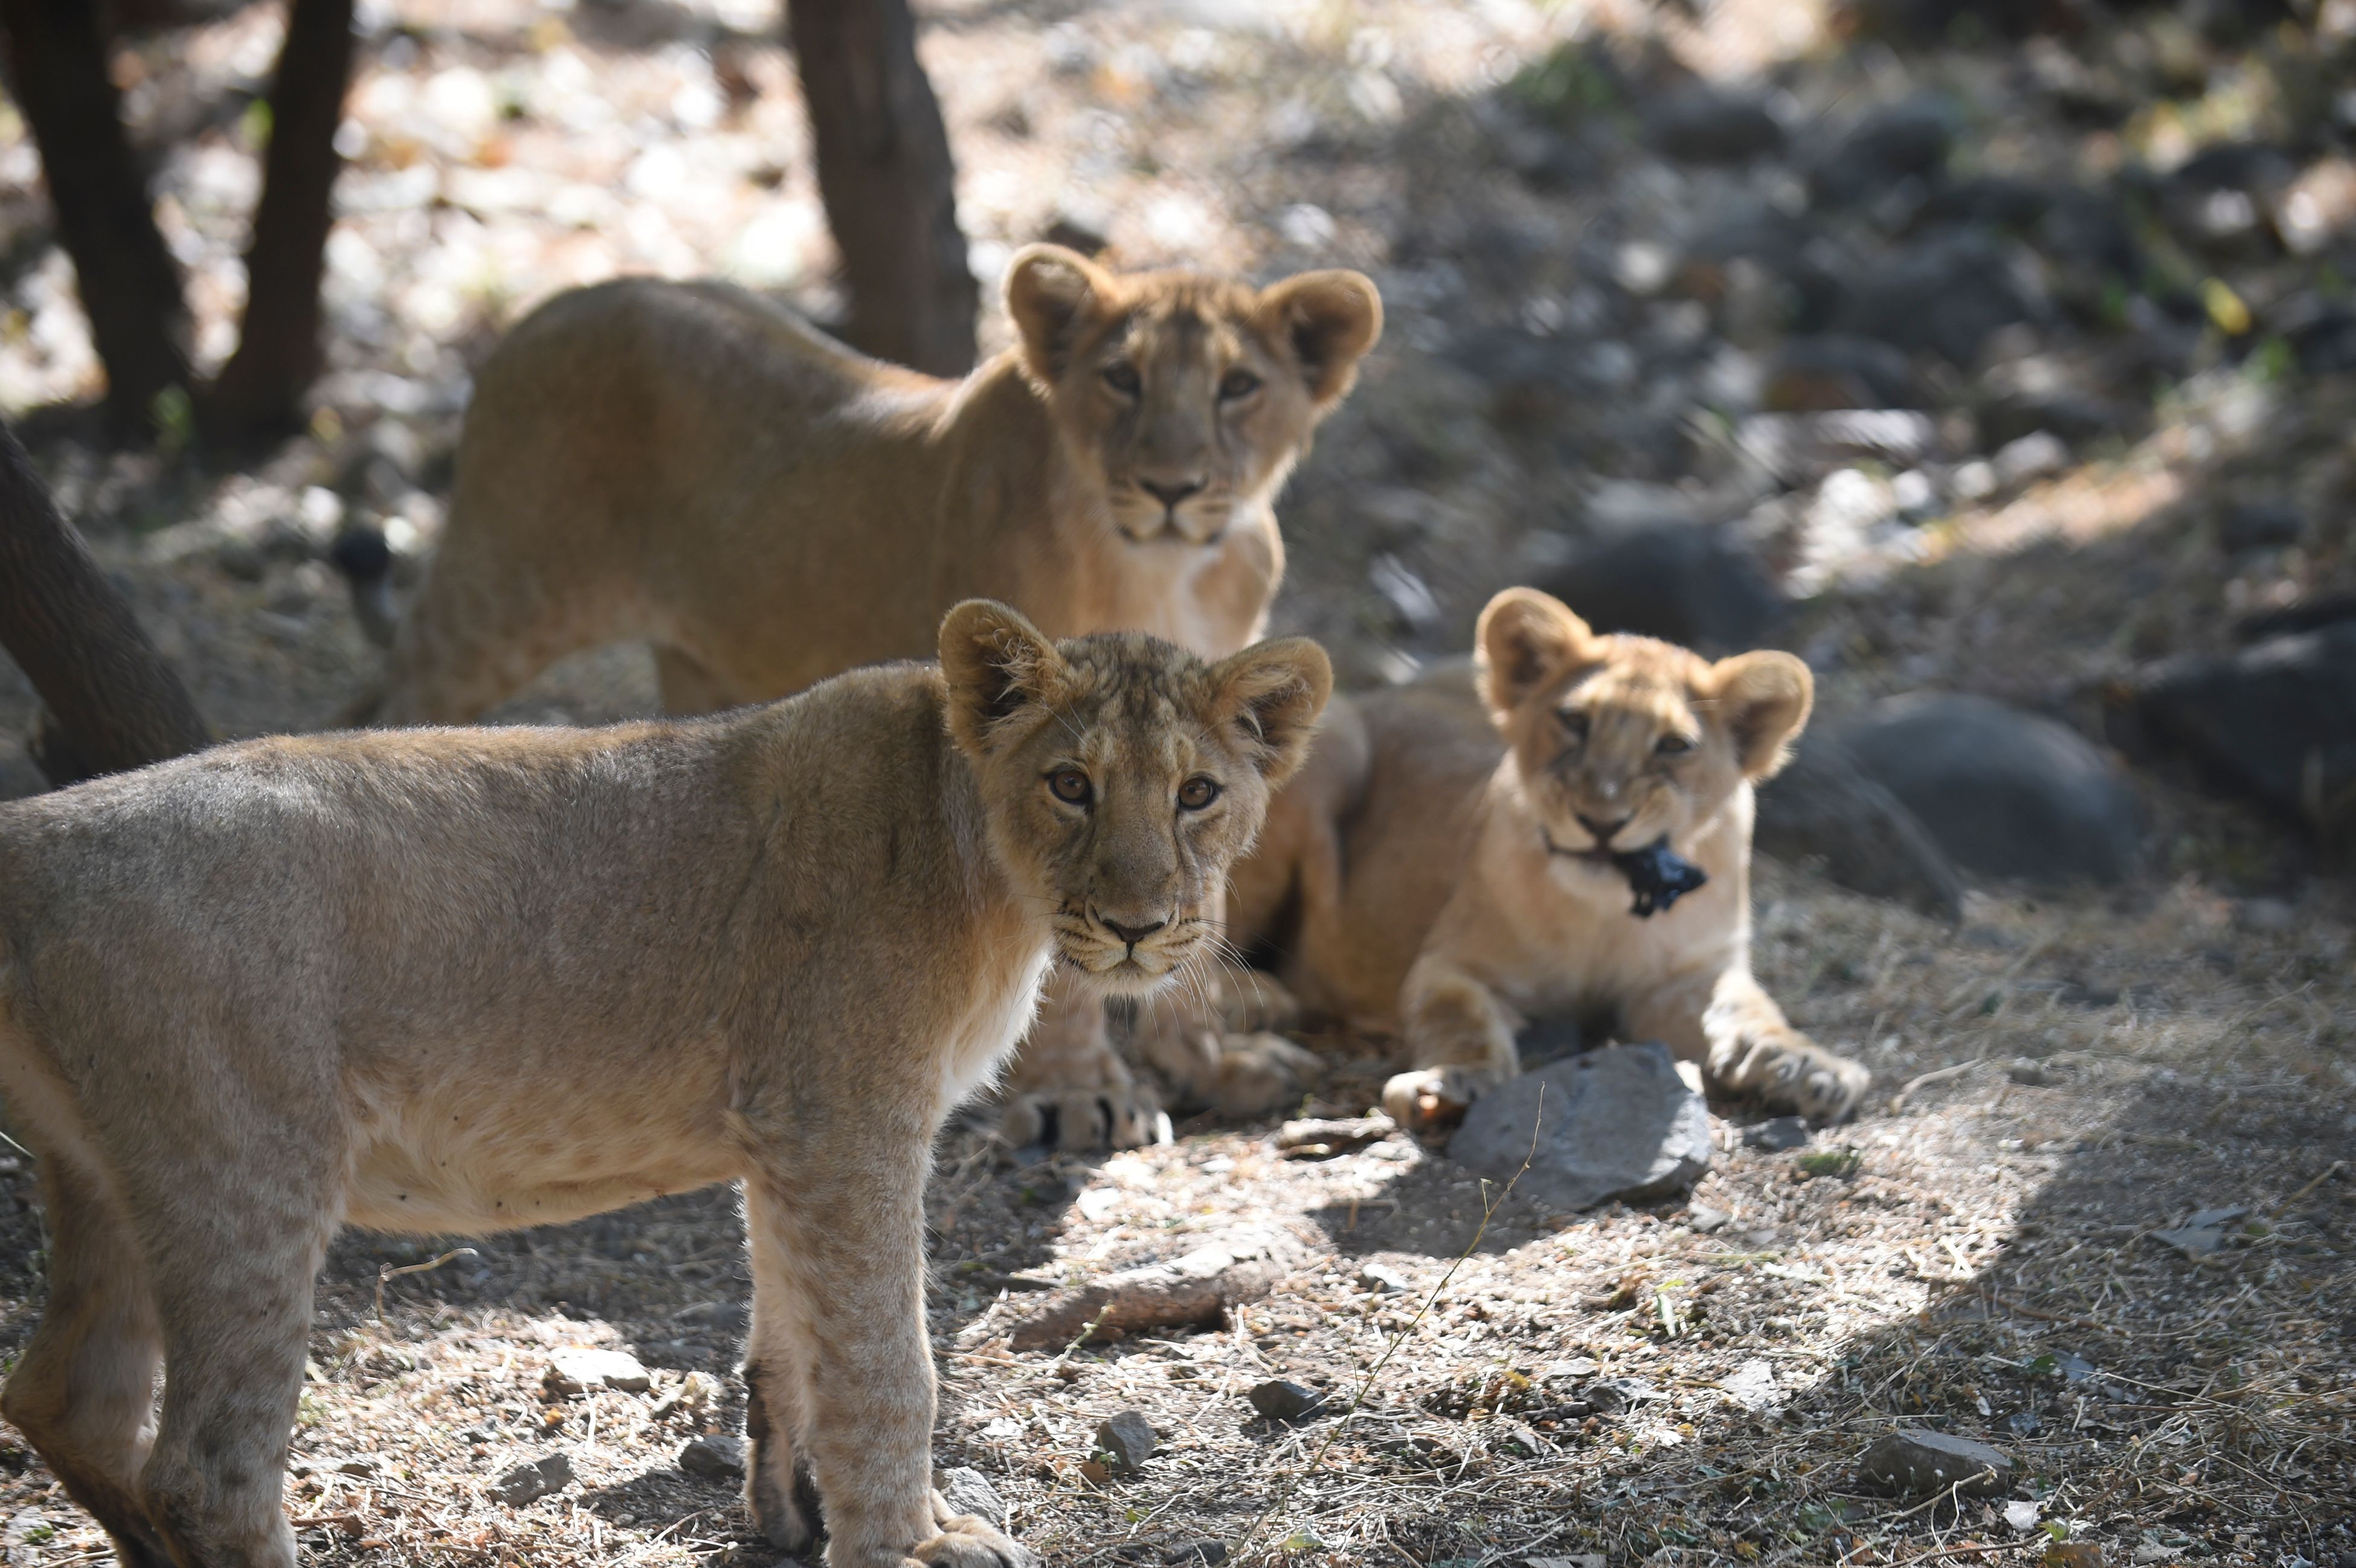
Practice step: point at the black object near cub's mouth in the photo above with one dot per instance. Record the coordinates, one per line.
(1656, 874)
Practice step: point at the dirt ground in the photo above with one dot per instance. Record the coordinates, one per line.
(2058, 1077)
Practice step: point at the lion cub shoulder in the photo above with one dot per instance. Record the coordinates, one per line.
(1473, 856)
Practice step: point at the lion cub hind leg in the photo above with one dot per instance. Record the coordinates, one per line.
(1459, 1035)
(83, 1394)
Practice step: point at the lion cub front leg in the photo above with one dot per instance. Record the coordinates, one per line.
(1733, 1026)
(1459, 1035)
(838, 1245)
(1068, 1087)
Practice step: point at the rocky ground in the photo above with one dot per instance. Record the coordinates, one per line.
(2013, 367)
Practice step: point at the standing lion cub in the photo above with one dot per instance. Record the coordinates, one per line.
(459, 980)
(1478, 849)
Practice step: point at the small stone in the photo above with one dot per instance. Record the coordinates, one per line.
(2192, 1241)
(712, 1457)
(1752, 1385)
(1679, 582)
(2032, 456)
(360, 1467)
(2030, 1074)
(1613, 1123)
(2260, 525)
(529, 1483)
(2219, 1218)
(695, 1391)
(1583, 1559)
(2152, 1552)
(1128, 1438)
(2024, 1423)
(1766, 1238)
(1281, 1401)
(968, 1491)
(1776, 1136)
(577, 1371)
(1916, 1464)
(2022, 1514)
(1384, 1280)
(1707, 1221)
(1208, 1551)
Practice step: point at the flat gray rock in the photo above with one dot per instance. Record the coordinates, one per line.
(968, 1491)
(714, 1457)
(529, 1483)
(1615, 1123)
(1915, 1464)
(1128, 1439)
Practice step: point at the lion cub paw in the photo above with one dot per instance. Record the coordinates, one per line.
(967, 1541)
(1432, 1097)
(1794, 1073)
(1262, 1073)
(1122, 1115)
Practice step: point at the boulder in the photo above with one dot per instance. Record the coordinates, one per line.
(1890, 145)
(2006, 793)
(1614, 1123)
(1698, 125)
(1947, 294)
(1678, 582)
(2274, 721)
(1823, 812)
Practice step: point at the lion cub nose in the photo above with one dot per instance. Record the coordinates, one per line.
(1170, 492)
(1132, 934)
(1602, 831)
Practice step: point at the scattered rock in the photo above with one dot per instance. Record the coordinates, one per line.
(1281, 1401)
(1128, 1438)
(1892, 145)
(529, 1483)
(1778, 1134)
(1614, 1123)
(1947, 294)
(2006, 794)
(1752, 1385)
(1701, 125)
(2274, 721)
(695, 1392)
(1682, 583)
(2260, 525)
(968, 1491)
(1583, 1559)
(359, 1467)
(1915, 1464)
(1707, 1221)
(2031, 1073)
(2036, 455)
(2192, 1241)
(1208, 1551)
(1831, 371)
(2024, 1423)
(576, 1372)
(2022, 1514)
(712, 1457)
(1617, 1396)
(1822, 809)
(1579, 1368)
(1322, 1138)
(1384, 1280)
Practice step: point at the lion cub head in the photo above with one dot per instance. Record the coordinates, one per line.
(1121, 775)
(1186, 396)
(1620, 742)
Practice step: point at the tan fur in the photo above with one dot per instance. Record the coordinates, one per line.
(1412, 859)
(688, 465)
(467, 979)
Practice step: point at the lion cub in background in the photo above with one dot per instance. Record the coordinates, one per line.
(461, 980)
(1425, 879)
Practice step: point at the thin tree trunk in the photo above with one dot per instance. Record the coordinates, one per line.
(113, 702)
(260, 391)
(889, 186)
(130, 286)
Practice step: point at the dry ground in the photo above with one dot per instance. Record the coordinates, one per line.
(2108, 1063)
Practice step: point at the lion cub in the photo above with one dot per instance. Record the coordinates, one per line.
(1430, 886)
(458, 980)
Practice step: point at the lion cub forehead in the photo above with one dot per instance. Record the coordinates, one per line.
(1641, 674)
(1132, 682)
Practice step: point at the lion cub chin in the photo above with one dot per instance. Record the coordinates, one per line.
(439, 980)
(1440, 886)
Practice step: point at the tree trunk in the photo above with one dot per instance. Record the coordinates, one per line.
(129, 284)
(260, 391)
(113, 702)
(890, 189)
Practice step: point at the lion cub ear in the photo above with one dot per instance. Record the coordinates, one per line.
(1764, 700)
(1526, 642)
(1273, 693)
(996, 664)
(1049, 292)
(1329, 320)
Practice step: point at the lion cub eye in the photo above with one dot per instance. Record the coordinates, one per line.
(1197, 792)
(1121, 376)
(1069, 785)
(1237, 384)
(1672, 745)
(1574, 723)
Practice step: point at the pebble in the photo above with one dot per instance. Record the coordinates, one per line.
(694, 1392)
(529, 1483)
(1915, 1464)
(968, 1491)
(576, 1372)
(1775, 1137)
(1384, 1280)
(1208, 1551)
(1705, 1220)
(1128, 1438)
(1281, 1401)
(714, 1457)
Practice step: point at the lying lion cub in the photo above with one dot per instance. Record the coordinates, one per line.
(688, 465)
(1435, 889)
(457, 980)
